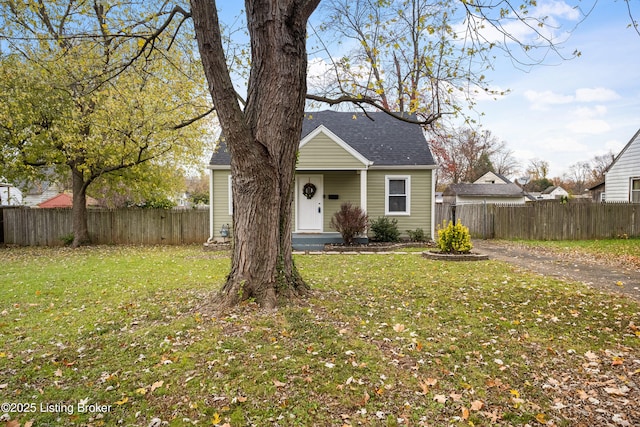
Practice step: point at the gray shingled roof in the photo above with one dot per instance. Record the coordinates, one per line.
(384, 140)
(488, 190)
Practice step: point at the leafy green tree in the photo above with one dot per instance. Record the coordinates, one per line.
(79, 98)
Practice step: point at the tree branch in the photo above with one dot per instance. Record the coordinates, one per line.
(427, 119)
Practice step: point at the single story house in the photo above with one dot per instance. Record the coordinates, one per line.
(492, 178)
(554, 192)
(622, 177)
(372, 160)
(9, 195)
(465, 193)
(64, 200)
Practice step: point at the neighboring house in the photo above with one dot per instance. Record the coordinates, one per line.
(383, 165)
(597, 192)
(554, 192)
(622, 178)
(492, 178)
(41, 192)
(10, 195)
(460, 194)
(64, 200)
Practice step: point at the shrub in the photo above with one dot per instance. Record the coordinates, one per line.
(385, 230)
(67, 239)
(417, 235)
(349, 221)
(454, 238)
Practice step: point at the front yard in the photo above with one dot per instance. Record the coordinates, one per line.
(116, 335)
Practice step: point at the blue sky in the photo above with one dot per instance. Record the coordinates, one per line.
(573, 110)
(562, 112)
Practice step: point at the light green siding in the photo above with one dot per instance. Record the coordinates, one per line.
(220, 200)
(421, 198)
(323, 153)
(346, 185)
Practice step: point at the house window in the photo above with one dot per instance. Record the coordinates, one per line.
(635, 190)
(397, 195)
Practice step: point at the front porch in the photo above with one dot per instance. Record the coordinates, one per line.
(316, 241)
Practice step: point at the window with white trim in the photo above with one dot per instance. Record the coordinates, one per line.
(634, 197)
(397, 195)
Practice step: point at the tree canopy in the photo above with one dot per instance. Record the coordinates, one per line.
(81, 97)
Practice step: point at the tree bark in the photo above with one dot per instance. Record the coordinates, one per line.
(263, 142)
(79, 209)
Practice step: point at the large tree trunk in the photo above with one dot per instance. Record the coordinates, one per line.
(263, 141)
(79, 209)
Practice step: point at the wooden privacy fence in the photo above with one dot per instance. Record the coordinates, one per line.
(551, 220)
(47, 227)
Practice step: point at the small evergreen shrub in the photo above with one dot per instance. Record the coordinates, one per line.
(67, 239)
(349, 221)
(416, 235)
(385, 230)
(454, 239)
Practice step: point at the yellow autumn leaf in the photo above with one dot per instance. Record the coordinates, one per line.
(541, 419)
(216, 419)
(515, 393)
(122, 401)
(141, 391)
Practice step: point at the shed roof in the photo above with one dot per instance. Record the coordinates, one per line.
(484, 190)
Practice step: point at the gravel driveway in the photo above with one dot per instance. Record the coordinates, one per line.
(608, 275)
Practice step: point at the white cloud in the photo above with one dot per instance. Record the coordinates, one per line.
(592, 127)
(590, 112)
(558, 9)
(562, 145)
(598, 94)
(542, 100)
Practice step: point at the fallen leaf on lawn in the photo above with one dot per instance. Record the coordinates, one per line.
(541, 419)
(141, 391)
(278, 383)
(617, 361)
(122, 401)
(591, 355)
(58, 373)
(216, 419)
(455, 397)
(515, 393)
(440, 398)
(398, 327)
(619, 283)
(431, 382)
(156, 385)
(29, 423)
(242, 399)
(476, 405)
(465, 413)
(583, 394)
(617, 391)
(12, 423)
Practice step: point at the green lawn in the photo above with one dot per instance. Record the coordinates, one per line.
(383, 340)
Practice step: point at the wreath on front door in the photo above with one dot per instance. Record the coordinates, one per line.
(309, 190)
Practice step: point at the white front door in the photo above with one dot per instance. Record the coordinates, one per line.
(309, 203)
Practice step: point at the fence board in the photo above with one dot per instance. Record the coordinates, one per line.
(45, 227)
(546, 220)
(531, 221)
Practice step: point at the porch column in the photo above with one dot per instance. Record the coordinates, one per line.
(211, 231)
(363, 190)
